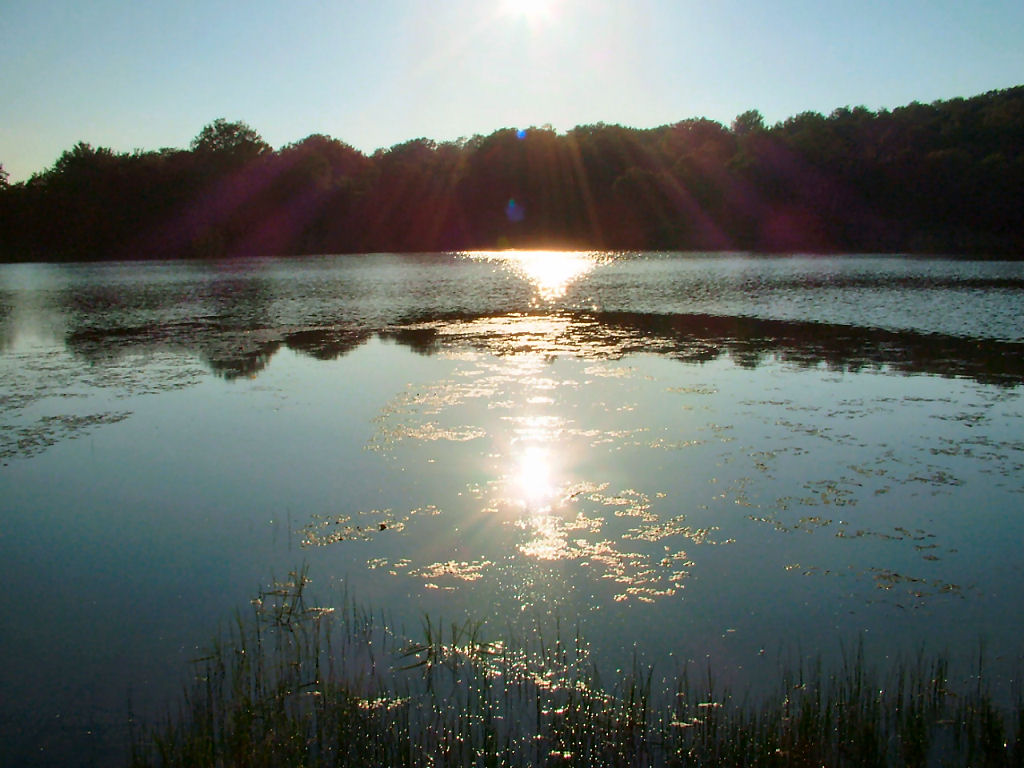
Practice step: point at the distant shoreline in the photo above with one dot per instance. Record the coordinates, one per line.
(1015, 256)
(941, 178)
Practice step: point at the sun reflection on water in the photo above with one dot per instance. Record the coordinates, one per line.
(533, 479)
(550, 272)
(536, 509)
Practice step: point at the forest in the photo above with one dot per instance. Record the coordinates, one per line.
(945, 177)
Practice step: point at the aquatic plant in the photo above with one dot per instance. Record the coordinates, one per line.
(296, 684)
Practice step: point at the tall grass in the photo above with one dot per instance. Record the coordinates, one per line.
(294, 684)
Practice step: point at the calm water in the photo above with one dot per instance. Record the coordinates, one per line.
(726, 457)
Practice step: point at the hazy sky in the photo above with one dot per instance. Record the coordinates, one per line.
(146, 74)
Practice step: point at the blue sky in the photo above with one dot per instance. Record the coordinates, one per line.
(150, 74)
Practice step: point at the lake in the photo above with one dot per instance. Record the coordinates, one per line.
(698, 459)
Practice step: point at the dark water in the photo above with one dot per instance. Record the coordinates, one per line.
(735, 458)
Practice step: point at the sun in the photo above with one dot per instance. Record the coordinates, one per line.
(529, 10)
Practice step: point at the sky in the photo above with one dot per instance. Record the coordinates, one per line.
(134, 75)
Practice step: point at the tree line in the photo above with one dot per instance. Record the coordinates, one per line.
(946, 177)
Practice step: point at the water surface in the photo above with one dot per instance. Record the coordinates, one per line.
(693, 458)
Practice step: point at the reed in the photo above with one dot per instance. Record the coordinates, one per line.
(295, 684)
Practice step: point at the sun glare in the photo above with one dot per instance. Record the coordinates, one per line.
(551, 273)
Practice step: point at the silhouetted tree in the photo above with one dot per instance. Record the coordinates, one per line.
(234, 140)
(751, 121)
(946, 176)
